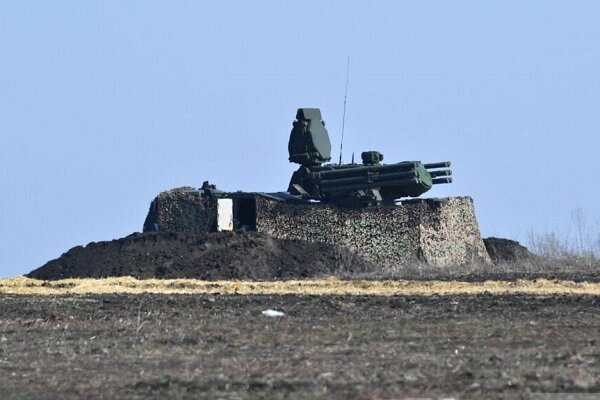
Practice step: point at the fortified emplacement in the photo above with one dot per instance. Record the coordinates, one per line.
(353, 185)
(364, 207)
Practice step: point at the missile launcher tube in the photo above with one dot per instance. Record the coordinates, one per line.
(374, 185)
(439, 181)
(367, 178)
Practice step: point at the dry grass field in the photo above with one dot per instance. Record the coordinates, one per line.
(329, 286)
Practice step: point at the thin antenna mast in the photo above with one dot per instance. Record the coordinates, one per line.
(344, 115)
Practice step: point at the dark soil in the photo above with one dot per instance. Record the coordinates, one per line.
(331, 347)
(248, 255)
(506, 250)
(257, 256)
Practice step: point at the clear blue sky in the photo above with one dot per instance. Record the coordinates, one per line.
(105, 104)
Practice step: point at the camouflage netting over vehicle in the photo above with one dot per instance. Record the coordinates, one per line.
(182, 210)
(437, 231)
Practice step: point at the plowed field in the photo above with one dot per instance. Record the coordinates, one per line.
(366, 340)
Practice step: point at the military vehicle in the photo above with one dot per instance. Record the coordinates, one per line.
(369, 184)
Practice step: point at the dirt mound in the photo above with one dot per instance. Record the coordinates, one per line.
(506, 250)
(215, 256)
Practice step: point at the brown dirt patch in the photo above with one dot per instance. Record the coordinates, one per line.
(248, 255)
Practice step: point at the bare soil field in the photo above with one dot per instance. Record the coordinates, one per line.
(107, 346)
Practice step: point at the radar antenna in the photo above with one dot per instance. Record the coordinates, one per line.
(344, 115)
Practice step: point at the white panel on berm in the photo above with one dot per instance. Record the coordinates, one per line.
(224, 215)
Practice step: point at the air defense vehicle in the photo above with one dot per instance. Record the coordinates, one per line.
(369, 184)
